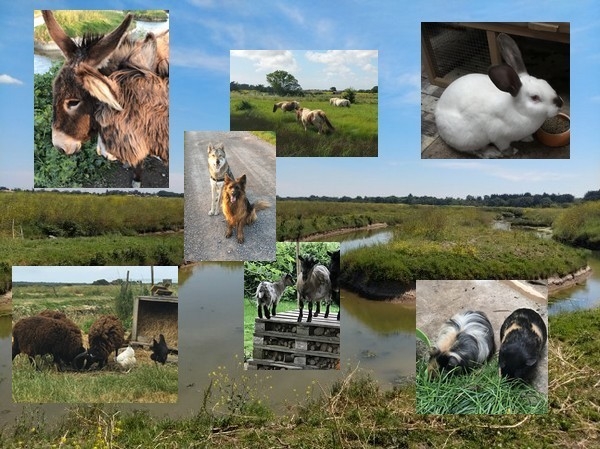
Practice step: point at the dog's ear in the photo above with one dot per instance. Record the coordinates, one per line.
(242, 180)
(227, 179)
(210, 147)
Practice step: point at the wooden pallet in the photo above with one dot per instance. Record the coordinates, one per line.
(283, 343)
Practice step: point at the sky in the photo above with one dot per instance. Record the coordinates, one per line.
(204, 32)
(341, 69)
(87, 275)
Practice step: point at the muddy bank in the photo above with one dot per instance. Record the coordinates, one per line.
(6, 303)
(556, 283)
(318, 235)
(381, 291)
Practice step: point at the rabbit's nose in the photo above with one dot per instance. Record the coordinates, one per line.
(558, 102)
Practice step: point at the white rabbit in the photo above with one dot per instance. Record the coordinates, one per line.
(504, 106)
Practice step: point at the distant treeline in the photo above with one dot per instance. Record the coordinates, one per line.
(161, 193)
(234, 86)
(495, 200)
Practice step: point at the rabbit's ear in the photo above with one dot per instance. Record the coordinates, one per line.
(511, 53)
(505, 79)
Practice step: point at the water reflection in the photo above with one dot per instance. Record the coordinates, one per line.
(380, 335)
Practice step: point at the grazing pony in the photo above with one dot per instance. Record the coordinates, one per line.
(115, 88)
(313, 285)
(286, 106)
(340, 102)
(316, 117)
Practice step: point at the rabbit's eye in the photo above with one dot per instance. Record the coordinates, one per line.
(535, 98)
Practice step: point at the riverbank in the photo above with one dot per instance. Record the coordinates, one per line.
(557, 283)
(330, 420)
(6, 303)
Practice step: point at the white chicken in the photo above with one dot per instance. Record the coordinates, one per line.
(126, 359)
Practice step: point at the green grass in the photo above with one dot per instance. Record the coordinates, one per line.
(144, 383)
(77, 23)
(580, 225)
(355, 127)
(482, 391)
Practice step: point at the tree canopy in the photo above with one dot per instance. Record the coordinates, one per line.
(284, 83)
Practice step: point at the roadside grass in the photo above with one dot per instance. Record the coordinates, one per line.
(163, 249)
(354, 413)
(355, 127)
(482, 391)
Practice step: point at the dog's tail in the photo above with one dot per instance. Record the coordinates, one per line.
(260, 205)
(327, 122)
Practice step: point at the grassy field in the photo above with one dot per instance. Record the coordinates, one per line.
(355, 132)
(355, 413)
(145, 383)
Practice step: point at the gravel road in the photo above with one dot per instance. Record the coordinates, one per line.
(204, 235)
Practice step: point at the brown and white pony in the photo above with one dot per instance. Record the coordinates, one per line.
(315, 117)
(286, 106)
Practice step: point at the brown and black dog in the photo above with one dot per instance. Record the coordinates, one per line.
(238, 211)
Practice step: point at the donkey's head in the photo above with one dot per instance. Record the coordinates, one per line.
(75, 96)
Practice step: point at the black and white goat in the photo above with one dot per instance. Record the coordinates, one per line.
(268, 295)
(313, 285)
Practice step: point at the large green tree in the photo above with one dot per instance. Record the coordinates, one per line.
(284, 83)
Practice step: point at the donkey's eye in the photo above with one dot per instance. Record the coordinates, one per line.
(535, 98)
(72, 103)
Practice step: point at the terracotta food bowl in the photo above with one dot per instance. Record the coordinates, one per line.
(556, 131)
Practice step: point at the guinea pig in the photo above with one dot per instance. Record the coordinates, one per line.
(465, 341)
(522, 338)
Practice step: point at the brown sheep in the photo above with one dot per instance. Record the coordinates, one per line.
(105, 336)
(40, 335)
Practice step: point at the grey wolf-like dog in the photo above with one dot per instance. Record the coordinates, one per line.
(218, 167)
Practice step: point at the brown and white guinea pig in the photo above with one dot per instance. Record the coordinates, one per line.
(522, 338)
(465, 341)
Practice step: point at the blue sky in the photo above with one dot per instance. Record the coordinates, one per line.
(87, 275)
(203, 32)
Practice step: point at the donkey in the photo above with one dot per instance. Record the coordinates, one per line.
(114, 88)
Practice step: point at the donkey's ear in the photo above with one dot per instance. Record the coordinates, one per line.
(104, 47)
(99, 86)
(64, 42)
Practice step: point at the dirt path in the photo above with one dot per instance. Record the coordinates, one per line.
(437, 301)
(205, 235)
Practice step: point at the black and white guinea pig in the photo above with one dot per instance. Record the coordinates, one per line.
(522, 338)
(465, 341)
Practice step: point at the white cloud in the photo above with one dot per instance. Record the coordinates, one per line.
(266, 60)
(7, 79)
